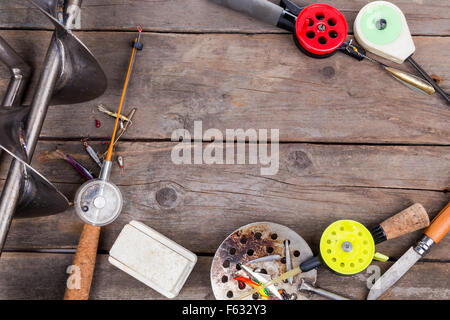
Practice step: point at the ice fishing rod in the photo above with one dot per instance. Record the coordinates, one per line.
(319, 31)
(99, 202)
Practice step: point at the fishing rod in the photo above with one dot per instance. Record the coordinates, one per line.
(319, 31)
(99, 202)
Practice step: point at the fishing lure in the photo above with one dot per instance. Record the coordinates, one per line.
(410, 80)
(266, 259)
(102, 109)
(123, 130)
(120, 161)
(254, 285)
(92, 153)
(81, 170)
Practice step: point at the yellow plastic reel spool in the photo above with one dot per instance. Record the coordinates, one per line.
(347, 247)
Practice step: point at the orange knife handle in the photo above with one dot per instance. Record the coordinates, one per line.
(440, 225)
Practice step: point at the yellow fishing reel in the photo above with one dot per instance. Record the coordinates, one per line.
(347, 247)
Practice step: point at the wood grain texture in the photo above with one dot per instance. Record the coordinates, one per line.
(203, 16)
(199, 205)
(204, 62)
(42, 276)
(250, 81)
(300, 165)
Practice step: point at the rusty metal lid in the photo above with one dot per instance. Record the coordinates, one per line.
(255, 241)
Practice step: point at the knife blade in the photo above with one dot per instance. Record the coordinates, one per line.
(433, 234)
(390, 277)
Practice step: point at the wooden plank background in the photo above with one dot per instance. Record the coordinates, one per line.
(241, 81)
(355, 143)
(200, 16)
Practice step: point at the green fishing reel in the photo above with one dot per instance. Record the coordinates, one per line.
(347, 247)
(382, 29)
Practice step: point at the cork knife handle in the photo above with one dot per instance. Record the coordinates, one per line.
(406, 221)
(440, 225)
(84, 261)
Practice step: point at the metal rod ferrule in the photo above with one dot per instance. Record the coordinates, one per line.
(424, 245)
(105, 173)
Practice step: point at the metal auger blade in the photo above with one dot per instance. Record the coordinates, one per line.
(52, 7)
(12, 124)
(38, 196)
(70, 74)
(81, 78)
(20, 74)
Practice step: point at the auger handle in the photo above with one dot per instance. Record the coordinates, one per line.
(262, 10)
(406, 221)
(84, 264)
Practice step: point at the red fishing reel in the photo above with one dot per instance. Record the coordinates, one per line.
(320, 30)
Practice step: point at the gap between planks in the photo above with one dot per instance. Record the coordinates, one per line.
(188, 32)
(199, 254)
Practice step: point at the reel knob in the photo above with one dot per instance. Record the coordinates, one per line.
(347, 247)
(320, 30)
(98, 202)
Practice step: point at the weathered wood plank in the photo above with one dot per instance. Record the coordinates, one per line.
(203, 16)
(42, 276)
(217, 79)
(200, 205)
(300, 165)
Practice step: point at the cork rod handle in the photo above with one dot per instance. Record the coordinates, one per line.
(406, 221)
(84, 264)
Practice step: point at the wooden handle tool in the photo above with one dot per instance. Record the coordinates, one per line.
(440, 225)
(409, 220)
(84, 262)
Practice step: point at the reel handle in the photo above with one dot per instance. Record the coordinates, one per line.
(311, 263)
(262, 10)
(84, 260)
(406, 221)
